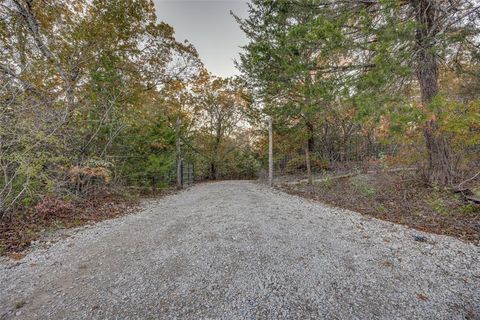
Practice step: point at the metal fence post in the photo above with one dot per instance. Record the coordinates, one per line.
(178, 154)
(181, 174)
(193, 173)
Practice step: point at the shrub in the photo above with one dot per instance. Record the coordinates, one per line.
(86, 179)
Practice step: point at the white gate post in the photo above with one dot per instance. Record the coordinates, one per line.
(270, 152)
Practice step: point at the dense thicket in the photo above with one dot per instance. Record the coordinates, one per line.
(90, 95)
(332, 73)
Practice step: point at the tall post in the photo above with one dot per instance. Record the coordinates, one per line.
(191, 174)
(178, 155)
(154, 185)
(309, 167)
(270, 152)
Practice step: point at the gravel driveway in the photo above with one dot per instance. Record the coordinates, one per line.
(239, 250)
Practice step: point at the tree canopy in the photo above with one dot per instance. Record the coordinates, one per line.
(347, 66)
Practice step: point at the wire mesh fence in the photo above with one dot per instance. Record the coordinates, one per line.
(324, 162)
(360, 158)
(187, 171)
(156, 180)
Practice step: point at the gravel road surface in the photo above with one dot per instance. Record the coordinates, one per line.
(239, 250)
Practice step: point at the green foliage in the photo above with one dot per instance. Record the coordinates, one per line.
(469, 208)
(438, 205)
(343, 71)
(363, 186)
(381, 209)
(82, 97)
(327, 182)
(220, 140)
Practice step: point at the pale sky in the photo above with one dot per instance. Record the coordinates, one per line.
(208, 25)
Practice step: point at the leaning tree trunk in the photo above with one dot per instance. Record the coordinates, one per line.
(441, 162)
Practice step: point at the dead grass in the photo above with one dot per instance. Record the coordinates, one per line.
(399, 197)
(17, 232)
(20, 230)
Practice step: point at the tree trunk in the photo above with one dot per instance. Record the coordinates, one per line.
(344, 152)
(309, 167)
(311, 139)
(309, 146)
(214, 162)
(441, 162)
(213, 171)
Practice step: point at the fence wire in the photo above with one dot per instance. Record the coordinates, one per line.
(154, 181)
(355, 157)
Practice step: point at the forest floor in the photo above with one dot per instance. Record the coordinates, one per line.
(50, 215)
(240, 250)
(396, 196)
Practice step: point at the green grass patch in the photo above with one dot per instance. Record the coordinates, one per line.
(438, 205)
(362, 186)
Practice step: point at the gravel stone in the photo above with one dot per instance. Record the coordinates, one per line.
(240, 250)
